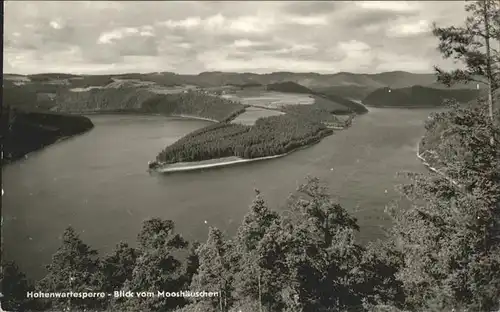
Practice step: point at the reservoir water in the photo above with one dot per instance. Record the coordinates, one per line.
(98, 183)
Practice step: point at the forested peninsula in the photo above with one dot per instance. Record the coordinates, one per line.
(268, 137)
(301, 125)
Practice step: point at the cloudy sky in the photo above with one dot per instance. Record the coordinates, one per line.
(252, 36)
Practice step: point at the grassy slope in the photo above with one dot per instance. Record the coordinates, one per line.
(332, 102)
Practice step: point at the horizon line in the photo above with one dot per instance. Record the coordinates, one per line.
(221, 72)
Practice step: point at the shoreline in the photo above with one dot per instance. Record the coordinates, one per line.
(193, 117)
(40, 149)
(226, 161)
(222, 162)
(235, 160)
(407, 107)
(110, 112)
(430, 167)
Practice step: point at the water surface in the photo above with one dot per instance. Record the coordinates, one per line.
(98, 182)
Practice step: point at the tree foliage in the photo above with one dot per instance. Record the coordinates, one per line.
(117, 267)
(450, 236)
(472, 45)
(15, 285)
(74, 267)
(214, 272)
(158, 267)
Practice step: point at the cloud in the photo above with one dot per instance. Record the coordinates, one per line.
(243, 43)
(309, 20)
(221, 24)
(353, 46)
(308, 8)
(185, 23)
(191, 37)
(394, 6)
(117, 34)
(409, 29)
(55, 25)
(392, 61)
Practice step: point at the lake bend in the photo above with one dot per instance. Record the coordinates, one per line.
(98, 182)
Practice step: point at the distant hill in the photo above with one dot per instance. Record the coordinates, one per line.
(51, 76)
(288, 87)
(330, 102)
(356, 84)
(102, 99)
(417, 96)
(133, 99)
(341, 88)
(192, 104)
(349, 91)
(32, 96)
(350, 104)
(312, 80)
(250, 85)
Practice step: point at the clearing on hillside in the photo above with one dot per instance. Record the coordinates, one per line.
(271, 100)
(170, 90)
(251, 115)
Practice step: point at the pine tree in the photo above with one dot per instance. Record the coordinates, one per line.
(250, 276)
(276, 293)
(214, 272)
(158, 267)
(323, 254)
(192, 264)
(380, 286)
(15, 286)
(255, 223)
(472, 45)
(117, 267)
(75, 268)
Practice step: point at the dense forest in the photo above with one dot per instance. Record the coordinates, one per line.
(92, 100)
(24, 131)
(32, 97)
(288, 87)
(351, 105)
(269, 136)
(301, 125)
(73, 81)
(440, 126)
(143, 100)
(314, 113)
(193, 103)
(417, 96)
